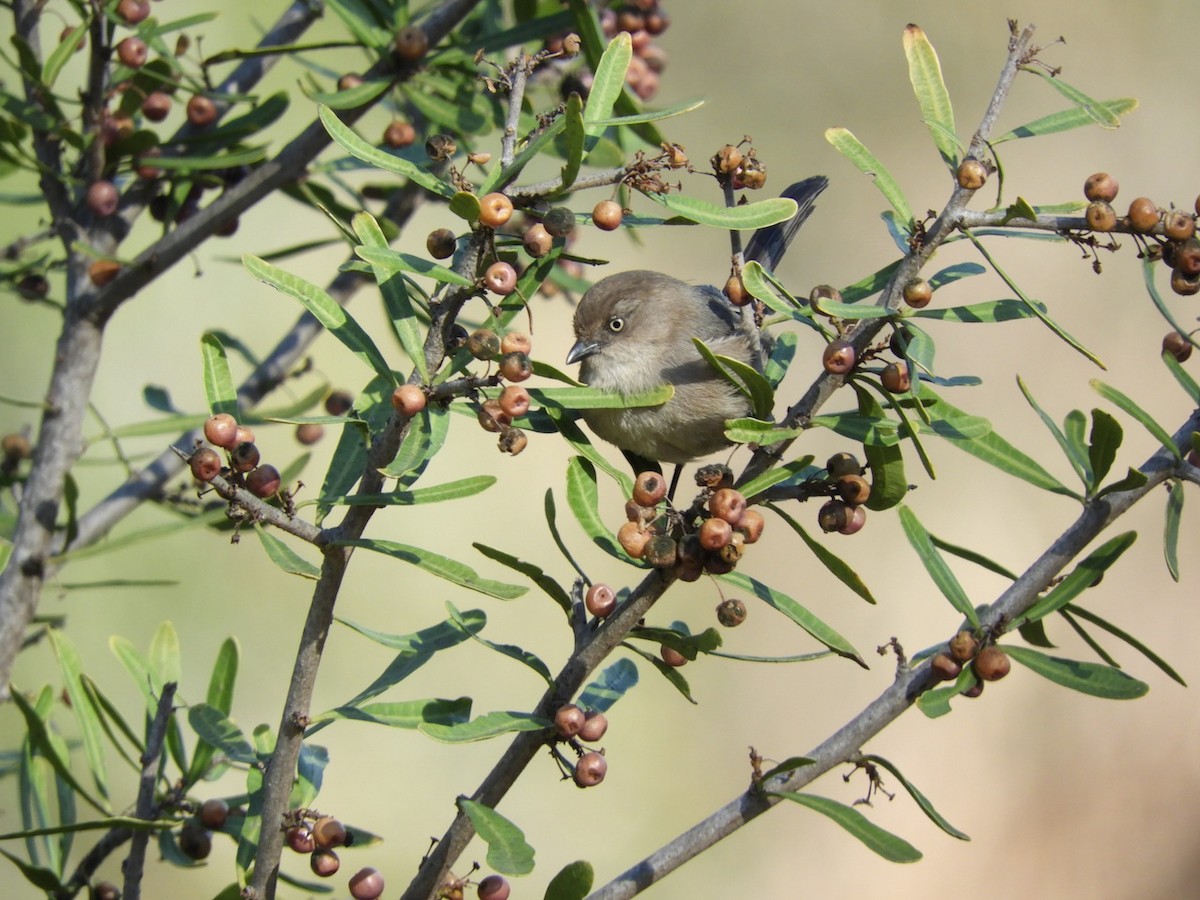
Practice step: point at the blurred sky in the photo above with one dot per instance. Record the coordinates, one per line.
(1063, 795)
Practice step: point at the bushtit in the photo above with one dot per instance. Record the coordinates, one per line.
(634, 332)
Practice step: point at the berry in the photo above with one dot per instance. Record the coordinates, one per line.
(559, 222)
(671, 656)
(591, 769)
(568, 720)
(595, 724)
(300, 839)
(103, 198)
(214, 813)
(263, 482)
(195, 841)
(600, 600)
(399, 134)
(349, 81)
(735, 290)
(495, 887)
(1183, 284)
(607, 215)
(843, 464)
(731, 613)
(106, 890)
(205, 464)
(821, 293)
(146, 170)
(895, 378)
(728, 504)
(732, 552)
(918, 293)
(366, 884)
(537, 240)
(495, 209)
(992, 664)
(411, 43)
(201, 111)
(1143, 215)
(516, 342)
(971, 174)
(514, 400)
(245, 435)
(500, 278)
(726, 160)
(512, 441)
(133, 11)
(492, 418)
(854, 489)
(963, 646)
(944, 668)
(244, 457)
(715, 533)
(1178, 225)
(440, 147)
(15, 447)
(833, 516)
(221, 431)
(661, 551)
(1100, 216)
(338, 403)
(751, 174)
(857, 519)
(751, 525)
(156, 106)
(324, 863)
(132, 51)
(328, 833)
(1187, 257)
(633, 539)
(515, 366)
(1177, 345)
(482, 343)
(649, 488)
(34, 286)
(974, 690)
(838, 357)
(1102, 187)
(408, 399)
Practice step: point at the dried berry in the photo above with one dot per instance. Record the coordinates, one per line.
(731, 613)
(195, 841)
(201, 111)
(649, 488)
(944, 668)
(495, 209)
(1178, 225)
(1102, 187)
(399, 134)
(328, 833)
(500, 278)
(366, 884)
(715, 533)
(263, 482)
(559, 222)
(992, 664)
(244, 457)
(537, 241)
(728, 504)
(963, 646)
(600, 600)
(411, 43)
(971, 174)
(324, 863)
(918, 293)
(516, 342)
(843, 464)
(220, 430)
(607, 215)
(854, 489)
(1177, 345)
(591, 769)
(751, 525)
(839, 357)
(671, 656)
(103, 271)
(1143, 215)
(595, 724)
(1100, 216)
(300, 839)
(214, 813)
(895, 378)
(661, 551)
(515, 366)
(514, 400)
(204, 463)
(482, 343)
(568, 719)
(633, 539)
(132, 52)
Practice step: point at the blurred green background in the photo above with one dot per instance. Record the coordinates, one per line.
(1064, 796)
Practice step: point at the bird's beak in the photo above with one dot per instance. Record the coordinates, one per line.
(581, 350)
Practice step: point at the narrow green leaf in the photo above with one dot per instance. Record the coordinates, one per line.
(218, 381)
(1088, 678)
(782, 354)
(287, 559)
(441, 566)
(889, 482)
(1129, 639)
(610, 686)
(594, 398)
(1083, 576)
(1065, 120)
(1103, 443)
(351, 98)
(935, 565)
(759, 214)
(68, 43)
(572, 882)
(891, 847)
(935, 703)
(756, 431)
(395, 295)
(607, 84)
(573, 140)
(1174, 512)
(326, 310)
(865, 161)
(1072, 453)
(583, 498)
(531, 571)
(674, 677)
(1125, 404)
(797, 614)
(426, 435)
(579, 442)
(1074, 425)
(922, 801)
(54, 751)
(837, 566)
(438, 493)
(391, 261)
(864, 429)
(408, 714)
(499, 177)
(776, 297)
(217, 729)
(795, 470)
(310, 775)
(485, 727)
(745, 379)
(106, 824)
(1098, 113)
(508, 851)
(368, 153)
(86, 714)
(971, 556)
(221, 684)
(442, 636)
(925, 73)
(510, 650)
(989, 311)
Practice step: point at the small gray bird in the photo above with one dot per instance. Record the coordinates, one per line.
(634, 332)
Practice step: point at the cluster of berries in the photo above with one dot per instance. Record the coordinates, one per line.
(989, 663)
(572, 724)
(320, 840)
(222, 430)
(494, 887)
(845, 513)
(840, 357)
(511, 354)
(195, 835)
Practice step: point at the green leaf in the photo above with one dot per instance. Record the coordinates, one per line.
(1129, 639)
(672, 674)
(1088, 678)
(889, 846)
(368, 153)
(86, 713)
(1174, 513)
(572, 882)
(583, 498)
(508, 852)
(248, 156)
(837, 566)
(395, 295)
(610, 686)
(782, 354)
(106, 824)
(438, 493)
(857, 427)
(54, 751)
(221, 684)
(971, 556)
(441, 566)
(935, 565)
(384, 259)
(573, 139)
(1074, 424)
(767, 288)
(310, 775)
(531, 571)
(797, 614)
(1065, 120)
(1124, 403)
(594, 398)
(511, 651)
(68, 43)
(921, 800)
(798, 470)
(1098, 113)
(889, 483)
(759, 214)
(1082, 577)
(217, 729)
(989, 311)
(607, 84)
(326, 311)
(1103, 443)
(218, 382)
(409, 714)
(351, 98)
(485, 727)
(284, 556)
(925, 73)
(745, 379)
(1181, 375)
(865, 161)
(426, 434)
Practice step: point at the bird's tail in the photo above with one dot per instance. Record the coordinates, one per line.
(768, 245)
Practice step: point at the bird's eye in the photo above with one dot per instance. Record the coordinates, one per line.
(615, 324)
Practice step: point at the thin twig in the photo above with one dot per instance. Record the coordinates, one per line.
(146, 809)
